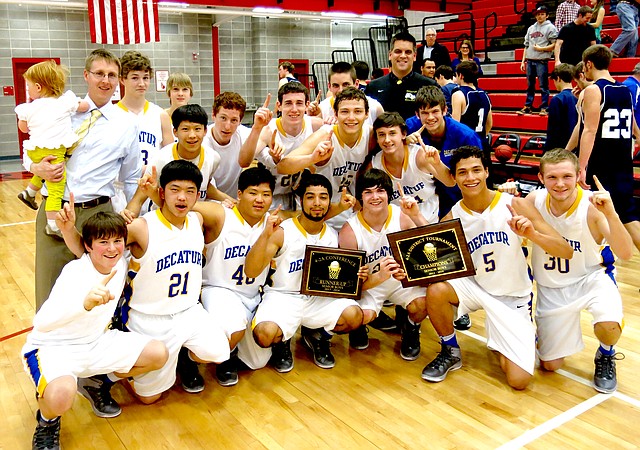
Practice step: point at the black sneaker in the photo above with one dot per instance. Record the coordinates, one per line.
(28, 200)
(47, 434)
(604, 378)
(97, 390)
(320, 346)
(410, 344)
(190, 378)
(281, 357)
(384, 323)
(358, 338)
(448, 359)
(462, 323)
(227, 371)
(524, 110)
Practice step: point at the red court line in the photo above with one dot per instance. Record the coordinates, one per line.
(17, 333)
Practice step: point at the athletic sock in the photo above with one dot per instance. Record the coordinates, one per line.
(411, 322)
(32, 193)
(44, 419)
(606, 349)
(450, 340)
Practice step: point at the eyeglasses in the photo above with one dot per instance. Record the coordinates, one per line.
(431, 34)
(464, 48)
(101, 76)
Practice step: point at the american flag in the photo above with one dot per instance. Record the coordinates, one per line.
(124, 21)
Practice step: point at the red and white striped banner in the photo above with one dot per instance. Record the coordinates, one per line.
(124, 21)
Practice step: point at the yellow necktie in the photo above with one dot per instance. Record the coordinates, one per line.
(85, 126)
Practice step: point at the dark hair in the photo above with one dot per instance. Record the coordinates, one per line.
(427, 59)
(562, 72)
(189, 113)
(465, 152)
(313, 179)
(103, 225)
(430, 97)
(584, 10)
(468, 44)
(469, 71)
(372, 178)
(180, 170)
(599, 55)
(134, 60)
(343, 67)
(445, 71)
(350, 93)
(403, 36)
(255, 176)
(362, 69)
(293, 87)
(377, 73)
(390, 119)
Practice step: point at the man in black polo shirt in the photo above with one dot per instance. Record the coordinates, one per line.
(397, 90)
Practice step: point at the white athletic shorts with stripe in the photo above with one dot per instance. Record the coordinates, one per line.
(391, 290)
(193, 328)
(289, 311)
(508, 322)
(232, 311)
(558, 313)
(114, 351)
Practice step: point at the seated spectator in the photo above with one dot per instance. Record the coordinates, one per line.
(465, 53)
(563, 115)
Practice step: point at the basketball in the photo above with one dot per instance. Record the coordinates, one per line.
(503, 153)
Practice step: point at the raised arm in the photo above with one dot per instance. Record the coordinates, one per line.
(527, 222)
(266, 246)
(315, 149)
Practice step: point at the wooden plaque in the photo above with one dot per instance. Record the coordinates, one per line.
(332, 272)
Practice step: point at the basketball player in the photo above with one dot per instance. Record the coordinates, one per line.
(470, 104)
(189, 127)
(166, 278)
(342, 75)
(179, 90)
(589, 222)
(337, 151)
(368, 231)
(228, 293)
(495, 225)
(70, 336)
(413, 167)
(283, 309)
(226, 137)
(606, 146)
(153, 121)
(272, 139)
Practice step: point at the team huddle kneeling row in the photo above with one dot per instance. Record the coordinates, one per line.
(183, 304)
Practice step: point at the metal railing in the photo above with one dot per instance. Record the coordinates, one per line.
(487, 31)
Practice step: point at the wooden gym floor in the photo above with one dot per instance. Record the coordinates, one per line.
(371, 399)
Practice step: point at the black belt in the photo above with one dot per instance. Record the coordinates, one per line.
(91, 203)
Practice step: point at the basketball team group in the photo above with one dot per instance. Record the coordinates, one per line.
(166, 239)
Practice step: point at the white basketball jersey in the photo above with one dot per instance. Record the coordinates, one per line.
(290, 259)
(415, 183)
(326, 107)
(284, 183)
(228, 171)
(207, 162)
(588, 255)
(150, 129)
(345, 161)
(496, 251)
(375, 243)
(226, 255)
(168, 277)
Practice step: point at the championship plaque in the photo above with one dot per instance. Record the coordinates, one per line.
(332, 272)
(432, 253)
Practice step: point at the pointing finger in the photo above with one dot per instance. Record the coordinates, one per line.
(317, 100)
(272, 143)
(329, 135)
(421, 129)
(399, 188)
(512, 211)
(276, 211)
(72, 200)
(266, 102)
(598, 184)
(108, 277)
